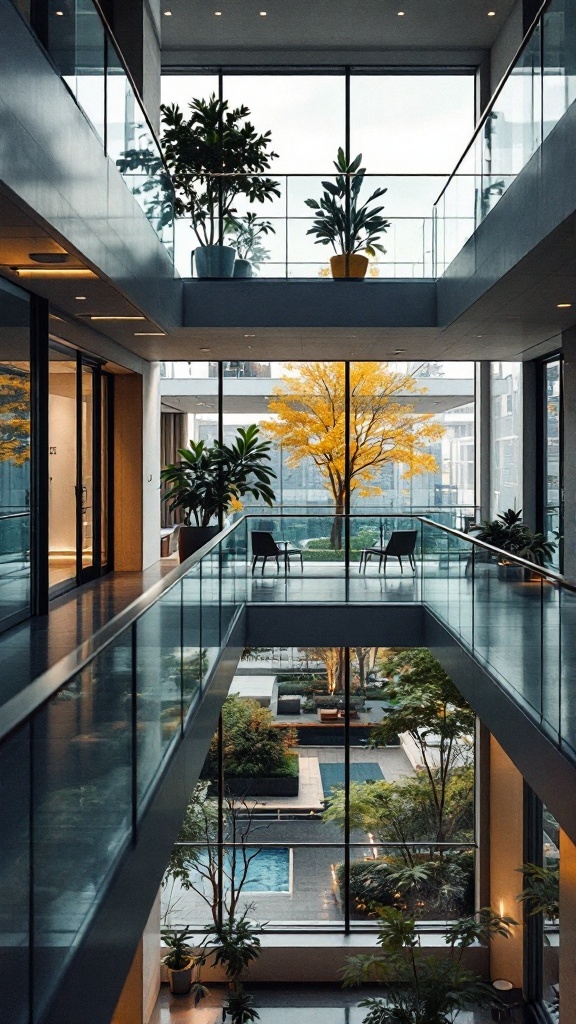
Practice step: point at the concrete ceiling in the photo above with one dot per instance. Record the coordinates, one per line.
(346, 25)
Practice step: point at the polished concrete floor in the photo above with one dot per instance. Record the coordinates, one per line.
(283, 1004)
(35, 645)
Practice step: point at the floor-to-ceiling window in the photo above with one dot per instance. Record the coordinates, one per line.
(311, 809)
(14, 453)
(505, 437)
(551, 511)
(310, 115)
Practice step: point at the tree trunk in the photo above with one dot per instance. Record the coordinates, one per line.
(336, 531)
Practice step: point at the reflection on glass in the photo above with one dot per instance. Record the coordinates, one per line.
(62, 467)
(76, 44)
(551, 889)
(505, 437)
(104, 458)
(15, 801)
(552, 467)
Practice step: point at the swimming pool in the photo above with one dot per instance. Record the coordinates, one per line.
(269, 870)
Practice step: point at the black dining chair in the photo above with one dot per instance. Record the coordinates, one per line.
(264, 546)
(401, 545)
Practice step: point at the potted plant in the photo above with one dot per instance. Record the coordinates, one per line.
(247, 235)
(422, 989)
(508, 533)
(347, 224)
(180, 961)
(234, 945)
(215, 156)
(209, 480)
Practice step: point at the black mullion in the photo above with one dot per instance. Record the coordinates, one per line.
(347, 791)
(110, 470)
(347, 477)
(534, 930)
(31, 873)
(97, 471)
(220, 471)
(561, 462)
(78, 468)
(134, 727)
(39, 454)
(221, 783)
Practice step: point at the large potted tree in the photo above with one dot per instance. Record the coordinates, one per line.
(342, 220)
(215, 156)
(209, 480)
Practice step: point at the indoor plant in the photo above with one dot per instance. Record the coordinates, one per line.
(247, 234)
(214, 156)
(180, 961)
(508, 533)
(209, 479)
(345, 223)
(420, 988)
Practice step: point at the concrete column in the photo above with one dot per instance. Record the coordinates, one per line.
(151, 458)
(483, 438)
(567, 930)
(506, 856)
(128, 473)
(151, 960)
(529, 444)
(569, 446)
(129, 1009)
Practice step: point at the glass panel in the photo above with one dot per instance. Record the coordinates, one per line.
(87, 477)
(14, 452)
(568, 669)
(559, 46)
(552, 466)
(76, 44)
(194, 656)
(82, 805)
(158, 684)
(505, 436)
(551, 949)
(104, 461)
(15, 877)
(62, 430)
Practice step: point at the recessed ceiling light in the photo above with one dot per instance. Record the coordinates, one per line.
(398, 351)
(149, 334)
(167, 14)
(60, 14)
(117, 317)
(80, 298)
(52, 272)
(249, 335)
(263, 14)
(205, 349)
(564, 305)
(218, 14)
(400, 14)
(491, 14)
(49, 257)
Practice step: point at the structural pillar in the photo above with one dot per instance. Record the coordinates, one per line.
(567, 930)
(506, 856)
(569, 450)
(137, 27)
(529, 444)
(483, 445)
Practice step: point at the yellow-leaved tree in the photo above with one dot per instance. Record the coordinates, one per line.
(14, 417)
(310, 423)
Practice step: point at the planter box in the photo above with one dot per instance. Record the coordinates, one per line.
(281, 786)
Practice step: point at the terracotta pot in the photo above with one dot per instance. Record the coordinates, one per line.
(190, 538)
(349, 265)
(180, 981)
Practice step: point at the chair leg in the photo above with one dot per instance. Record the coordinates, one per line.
(401, 566)
(254, 560)
(385, 560)
(264, 560)
(277, 565)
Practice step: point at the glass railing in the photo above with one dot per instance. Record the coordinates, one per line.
(89, 62)
(82, 749)
(287, 249)
(536, 92)
(14, 564)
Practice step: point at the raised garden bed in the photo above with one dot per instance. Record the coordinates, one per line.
(271, 786)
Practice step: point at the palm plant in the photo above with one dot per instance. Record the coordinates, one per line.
(341, 220)
(424, 989)
(247, 234)
(210, 479)
(510, 534)
(214, 156)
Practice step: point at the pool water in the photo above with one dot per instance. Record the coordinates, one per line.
(332, 774)
(269, 871)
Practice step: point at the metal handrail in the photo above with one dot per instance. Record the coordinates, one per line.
(496, 94)
(15, 515)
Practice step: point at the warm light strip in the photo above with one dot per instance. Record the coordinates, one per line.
(52, 272)
(117, 317)
(149, 334)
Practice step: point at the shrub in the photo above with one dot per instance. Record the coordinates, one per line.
(254, 745)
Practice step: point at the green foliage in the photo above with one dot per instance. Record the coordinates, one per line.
(254, 746)
(423, 989)
(541, 892)
(247, 233)
(235, 944)
(181, 955)
(510, 534)
(240, 1007)
(200, 825)
(339, 218)
(215, 156)
(209, 479)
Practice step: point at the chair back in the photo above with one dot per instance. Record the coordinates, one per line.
(264, 544)
(402, 542)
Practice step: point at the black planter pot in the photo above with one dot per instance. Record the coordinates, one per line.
(190, 538)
